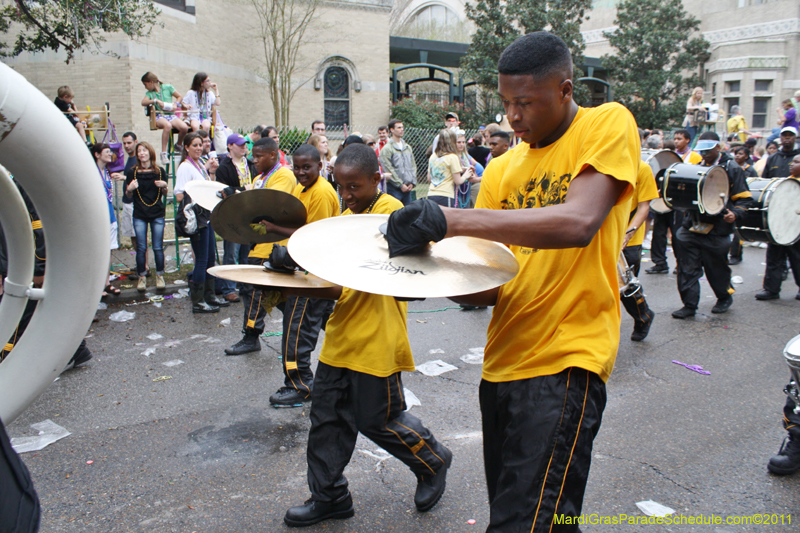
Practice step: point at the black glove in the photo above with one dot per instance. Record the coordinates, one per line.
(227, 192)
(280, 259)
(414, 226)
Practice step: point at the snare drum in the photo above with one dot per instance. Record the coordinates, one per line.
(660, 161)
(696, 188)
(776, 217)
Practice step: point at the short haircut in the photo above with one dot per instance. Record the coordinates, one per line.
(741, 149)
(97, 148)
(503, 135)
(773, 143)
(359, 157)
(788, 101)
(269, 129)
(709, 136)
(751, 141)
(735, 109)
(684, 133)
(394, 122)
(317, 122)
(539, 54)
(258, 129)
(64, 90)
(129, 134)
(203, 134)
(492, 128)
(382, 128)
(654, 142)
(307, 150)
(353, 139)
(266, 144)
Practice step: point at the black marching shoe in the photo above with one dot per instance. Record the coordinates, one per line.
(288, 397)
(313, 512)
(788, 459)
(211, 296)
(658, 269)
(640, 331)
(722, 305)
(81, 355)
(683, 312)
(767, 295)
(248, 344)
(199, 304)
(734, 260)
(431, 488)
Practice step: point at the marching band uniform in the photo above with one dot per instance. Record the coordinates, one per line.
(698, 252)
(788, 459)
(636, 305)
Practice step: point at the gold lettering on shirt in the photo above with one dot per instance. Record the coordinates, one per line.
(543, 191)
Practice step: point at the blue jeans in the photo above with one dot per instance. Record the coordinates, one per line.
(232, 254)
(157, 231)
(404, 197)
(203, 246)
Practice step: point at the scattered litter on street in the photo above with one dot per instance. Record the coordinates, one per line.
(651, 508)
(102, 306)
(171, 344)
(436, 310)
(737, 279)
(411, 399)
(225, 323)
(174, 362)
(381, 458)
(122, 316)
(162, 378)
(472, 358)
(155, 336)
(434, 368)
(49, 432)
(471, 521)
(179, 282)
(436, 350)
(89, 462)
(150, 351)
(694, 368)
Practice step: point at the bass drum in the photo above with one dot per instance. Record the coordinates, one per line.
(696, 188)
(776, 217)
(660, 161)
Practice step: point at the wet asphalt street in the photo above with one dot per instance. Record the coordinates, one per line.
(203, 451)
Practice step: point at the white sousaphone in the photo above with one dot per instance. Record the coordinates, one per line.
(46, 156)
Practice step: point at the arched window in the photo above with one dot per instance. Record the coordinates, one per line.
(337, 97)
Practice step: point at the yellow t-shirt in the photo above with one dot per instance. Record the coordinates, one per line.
(282, 180)
(562, 308)
(645, 191)
(320, 199)
(691, 158)
(442, 170)
(367, 332)
(737, 123)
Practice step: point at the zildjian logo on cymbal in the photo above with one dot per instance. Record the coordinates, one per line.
(391, 267)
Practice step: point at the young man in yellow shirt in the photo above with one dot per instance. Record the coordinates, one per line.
(561, 200)
(303, 318)
(271, 175)
(358, 387)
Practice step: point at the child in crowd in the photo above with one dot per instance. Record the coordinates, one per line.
(444, 170)
(64, 102)
(161, 95)
(200, 98)
(358, 387)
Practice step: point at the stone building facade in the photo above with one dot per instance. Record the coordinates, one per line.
(220, 37)
(751, 65)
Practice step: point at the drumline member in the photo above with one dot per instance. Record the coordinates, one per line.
(787, 461)
(359, 386)
(635, 304)
(672, 220)
(271, 175)
(561, 200)
(702, 242)
(741, 154)
(777, 256)
(303, 318)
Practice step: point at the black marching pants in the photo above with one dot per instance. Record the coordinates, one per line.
(19, 504)
(303, 318)
(658, 247)
(251, 298)
(537, 447)
(636, 305)
(736, 246)
(345, 402)
(791, 421)
(702, 253)
(776, 265)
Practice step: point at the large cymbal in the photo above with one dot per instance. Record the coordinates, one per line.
(204, 193)
(352, 252)
(231, 219)
(258, 275)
